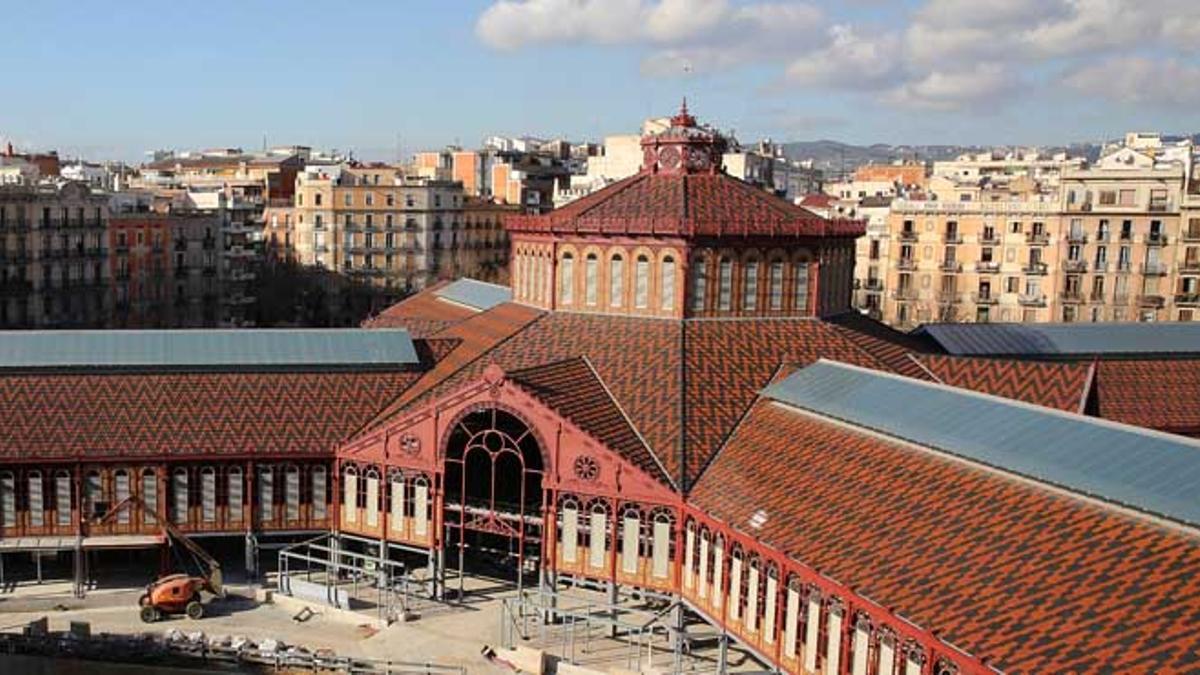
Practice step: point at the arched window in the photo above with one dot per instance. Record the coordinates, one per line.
(735, 585)
(569, 530)
(591, 269)
(266, 493)
(661, 546)
(705, 542)
(120, 494)
(396, 494)
(689, 555)
(350, 494)
(8, 498)
(718, 569)
(234, 497)
(800, 287)
(769, 600)
(421, 506)
(631, 531)
(372, 477)
(641, 286)
(598, 536)
(94, 505)
(291, 492)
(750, 287)
(150, 494)
(776, 282)
(179, 493)
(319, 498)
(37, 505)
(616, 278)
(668, 284)
(566, 279)
(752, 581)
(791, 619)
(725, 284)
(699, 284)
(208, 494)
(812, 629)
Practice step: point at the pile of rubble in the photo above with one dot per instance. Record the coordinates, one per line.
(270, 650)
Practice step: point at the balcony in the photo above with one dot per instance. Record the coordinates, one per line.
(1156, 239)
(908, 235)
(1121, 299)
(1075, 266)
(1187, 299)
(948, 298)
(984, 298)
(1100, 268)
(1081, 206)
(1192, 236)
(952, 238)
(904, 294)
(874, 285)
(1071, 297)
(950, 266)
(987, 267)
(1077, 238)
(906, 264)
(1154, 269)
(1192, 266)
(989, 240)
(1159, 207)
(1154, 301)
(1036, 268)
(1037, 238)
(1123, 266)
(1034, 300)
(1097, 297)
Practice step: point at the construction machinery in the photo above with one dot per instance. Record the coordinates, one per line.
(176, 593)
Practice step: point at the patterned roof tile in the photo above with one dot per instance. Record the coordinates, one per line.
(1064, 386)
(1161, 394)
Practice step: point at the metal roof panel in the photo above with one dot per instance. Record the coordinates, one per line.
(1079, 339)
(1142, 469)
(476, 294)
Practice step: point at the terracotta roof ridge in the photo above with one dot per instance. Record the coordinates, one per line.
(621, 409)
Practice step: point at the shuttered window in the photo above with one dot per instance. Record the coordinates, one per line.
(566, 272)
(630, 531)
(372, 499)
(62, 498)
(291, 493)
(750, 287)
(421, 507)
(725, 285)
(589, 280)
(668, 284)
(752, 599)
(318, 493)
(616, 281)
(641, 288)
(208, 494)
(121, 493)
(8, 498)
(597, 549)
(661, 548)
(37, 506)
(92, 495)
(570, 534)
(769, 609)
(776, 290)
(350, 496)
(801, 295)
(150, 495)
(397, 505)
(235, 496)
(266, 493)
(179, 491)
(718, 569)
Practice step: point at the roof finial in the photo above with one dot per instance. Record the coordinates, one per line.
(683, 108)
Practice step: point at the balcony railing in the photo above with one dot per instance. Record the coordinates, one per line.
(1076, 238)
(950, 266)
(987, 266)
(949, 297)
(984, 298)
(908, 235)
(1097, 297)
(1034, 300)
(1071, 297)
(1121, 299)
(1188, 299)
(1154, 269)
(906, 264)
(989, 239)
(1123, 266)
(1036, 268)
(1156, 239)
(1191, 235)
(1189, 266)
(952, 238)
(872, 284)
(1100, 268)
(1037, 238)
(904, 294)
(1075, 266)
(1155, 301)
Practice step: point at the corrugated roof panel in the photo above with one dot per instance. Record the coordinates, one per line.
(1142, 469)
(206, 348)
(980, 339)
(479, 295)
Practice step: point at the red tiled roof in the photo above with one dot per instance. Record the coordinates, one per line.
(1031, 580)
(708, 204)
(1161, 394)
(818, 200)
(574, 389)
(423, 314)
(136, 414)
(1055, 385)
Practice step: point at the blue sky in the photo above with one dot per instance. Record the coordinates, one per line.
(116, 79)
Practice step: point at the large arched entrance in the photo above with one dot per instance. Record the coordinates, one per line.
(493, 491)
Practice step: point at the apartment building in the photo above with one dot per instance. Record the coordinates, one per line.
(52, 256)
(372, 223)
(971, 260)
(1121, 248)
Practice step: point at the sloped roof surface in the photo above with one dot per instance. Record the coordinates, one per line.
(159, 349)
(573, 389)
(1146, 470)
(1159, 394)
(478, 295)
(1064, 386)
(123, 415)
(1030, 580)
(686, 204)
(423, 314)
(1074, 339)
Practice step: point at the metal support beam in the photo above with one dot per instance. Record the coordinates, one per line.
(723, 654)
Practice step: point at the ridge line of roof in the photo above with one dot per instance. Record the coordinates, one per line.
(637, 432)
(1085, 419)
(1087, 387)
(923, 367)
(1111, 506)
(738, 425)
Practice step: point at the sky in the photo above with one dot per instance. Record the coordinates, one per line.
(112, 80)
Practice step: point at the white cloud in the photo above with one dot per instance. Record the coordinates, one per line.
(850, 61)
(1140, 80)
(956, 90)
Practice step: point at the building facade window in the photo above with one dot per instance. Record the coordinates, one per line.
(566, 276)
(641, 289)
(616, 278)
(750, 287)
(668, 284)
(725, 285)
(776, 282)
(590, 272)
